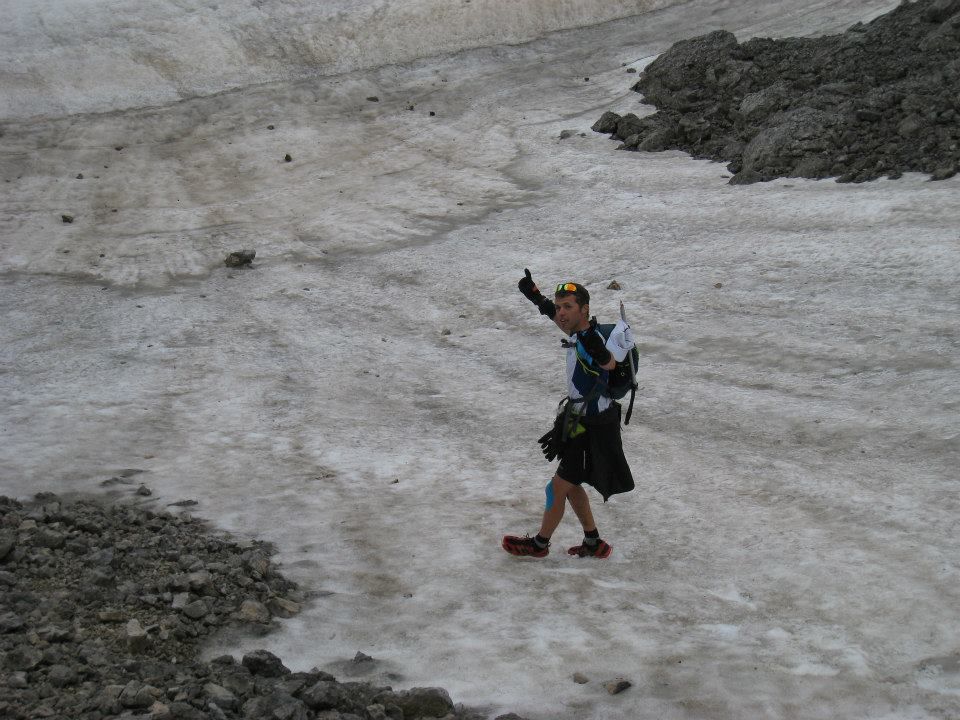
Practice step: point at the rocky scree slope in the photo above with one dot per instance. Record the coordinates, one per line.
(103, 609)
(880, 99)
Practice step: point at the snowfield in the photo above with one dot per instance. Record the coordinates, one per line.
(368, 395)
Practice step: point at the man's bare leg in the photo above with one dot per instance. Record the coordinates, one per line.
(581, 506)
(557, 503)
(558, 491)
(592, 544)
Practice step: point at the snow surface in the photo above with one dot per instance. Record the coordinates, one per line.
(368, 395)
(70, 56)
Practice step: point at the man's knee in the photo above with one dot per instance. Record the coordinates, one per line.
(557, 490)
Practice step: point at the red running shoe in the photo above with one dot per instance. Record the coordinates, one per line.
(524, 546)
(601, 550)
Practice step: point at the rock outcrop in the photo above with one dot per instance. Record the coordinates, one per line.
(881, 99)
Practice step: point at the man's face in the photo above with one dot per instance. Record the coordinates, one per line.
(570, 316)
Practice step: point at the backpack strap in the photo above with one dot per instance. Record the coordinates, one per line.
(633, 394)
(571, 416)
(598, 386)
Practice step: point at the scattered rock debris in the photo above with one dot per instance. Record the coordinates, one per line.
(104, 607)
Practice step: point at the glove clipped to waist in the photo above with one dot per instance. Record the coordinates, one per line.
(551, 446)
(532, 293)
(555, 440)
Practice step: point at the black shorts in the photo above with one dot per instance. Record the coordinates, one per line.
(575, 461)
(596, 456)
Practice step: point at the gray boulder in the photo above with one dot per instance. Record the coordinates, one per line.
(253, 611)
(628, 125)
(136, 694)
(424, 703)
(324, 695)
(278, 706)
(196, 609)
(62, 676)
(662, 138)
(10, 622)
(8, 541)
(240, 258)
(219, 695)
(264, 663)
(137, 639)
(607, 123)
(23, 657)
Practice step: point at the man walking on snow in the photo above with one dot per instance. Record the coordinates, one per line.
(586, 434)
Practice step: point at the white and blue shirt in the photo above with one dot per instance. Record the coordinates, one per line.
(583, 373)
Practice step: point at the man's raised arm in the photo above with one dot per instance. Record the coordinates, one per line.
(532, 293)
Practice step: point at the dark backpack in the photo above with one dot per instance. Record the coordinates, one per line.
(622, 378)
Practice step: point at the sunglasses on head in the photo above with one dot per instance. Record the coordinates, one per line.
(567, 287)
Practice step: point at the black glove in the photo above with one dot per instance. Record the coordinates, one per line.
(532, 293)
(529, 288)
(593, 343)
(551, 445)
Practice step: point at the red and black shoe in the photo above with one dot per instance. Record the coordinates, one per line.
(524, 546)
(601, 550)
